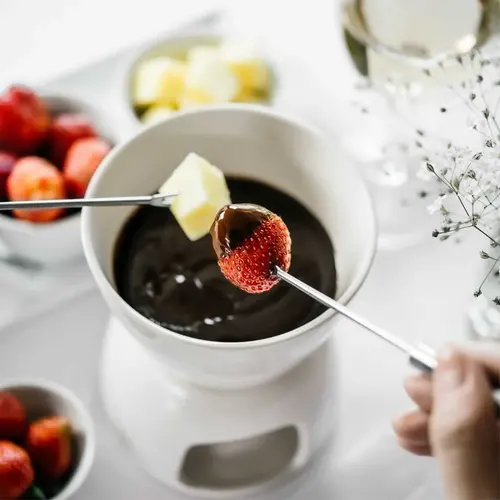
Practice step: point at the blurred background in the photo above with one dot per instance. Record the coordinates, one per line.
(40, 40)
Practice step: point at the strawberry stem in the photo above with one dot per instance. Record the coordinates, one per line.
(34, 493)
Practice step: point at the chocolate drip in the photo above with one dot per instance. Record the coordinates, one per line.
(234, 224)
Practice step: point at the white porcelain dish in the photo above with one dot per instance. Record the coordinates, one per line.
(43, 399)
(59, 241)
(177, 47)
(251, 142)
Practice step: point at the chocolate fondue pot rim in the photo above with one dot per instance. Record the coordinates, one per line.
(103, 281)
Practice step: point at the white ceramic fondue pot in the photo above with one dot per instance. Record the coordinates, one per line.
(213, 418)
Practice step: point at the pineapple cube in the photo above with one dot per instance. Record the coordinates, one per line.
(193, 98)
(250, 69)
(209, 80)
(158, 80)
(172, 84)
(251, 96)
(202, 192)
(200, 52)
(156, 114)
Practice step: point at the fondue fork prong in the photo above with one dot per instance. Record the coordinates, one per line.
(157, 200)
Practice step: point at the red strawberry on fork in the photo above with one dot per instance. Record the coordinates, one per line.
(250, 241)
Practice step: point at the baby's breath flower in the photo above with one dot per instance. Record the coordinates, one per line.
(468, 170)
(436, 205)
(466, 167)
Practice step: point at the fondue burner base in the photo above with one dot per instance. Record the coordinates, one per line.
(217, 443)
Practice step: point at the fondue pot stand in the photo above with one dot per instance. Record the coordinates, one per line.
(202, 439)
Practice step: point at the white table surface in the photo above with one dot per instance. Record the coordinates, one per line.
(408, 292)
(421, 293)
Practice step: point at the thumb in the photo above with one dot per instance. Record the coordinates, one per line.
(463, 430)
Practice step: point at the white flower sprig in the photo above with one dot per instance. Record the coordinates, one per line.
(468, 168)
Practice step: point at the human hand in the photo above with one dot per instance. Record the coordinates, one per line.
(455, 420)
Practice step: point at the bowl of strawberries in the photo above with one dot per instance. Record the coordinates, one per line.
(50, 146)
(47, 442)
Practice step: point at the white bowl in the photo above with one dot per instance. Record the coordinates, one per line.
(177, 47)
(43, 399)
(255, 142)
(54, 242)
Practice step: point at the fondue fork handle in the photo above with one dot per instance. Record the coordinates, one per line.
(157, 200)
(423, 358)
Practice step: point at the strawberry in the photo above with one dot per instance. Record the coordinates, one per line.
(7, 161)
(49, 445)
(12, 417)
(64, 131)
(249, 241)
(34, 178)
(16, 471)
(24, 120)
(82, 160)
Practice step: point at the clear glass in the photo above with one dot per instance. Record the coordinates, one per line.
(395, 45)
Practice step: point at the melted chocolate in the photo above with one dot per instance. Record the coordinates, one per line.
(234, 224)
(177, 283)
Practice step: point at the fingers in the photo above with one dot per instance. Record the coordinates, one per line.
(462, 428)
(412, 432)
(421, 450)
(412, 427)
(419, 388)
(486, 354)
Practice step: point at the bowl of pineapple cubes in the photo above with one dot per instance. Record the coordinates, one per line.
(196, 70)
